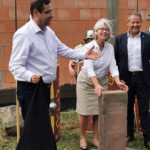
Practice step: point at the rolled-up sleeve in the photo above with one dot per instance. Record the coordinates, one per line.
(67, 52)
(20, 53)
(113, 67)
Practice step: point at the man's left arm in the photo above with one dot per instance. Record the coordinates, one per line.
(67, 52)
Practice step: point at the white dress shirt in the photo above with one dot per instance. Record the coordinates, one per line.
(100, 66)
(134, 53)
(35, 51)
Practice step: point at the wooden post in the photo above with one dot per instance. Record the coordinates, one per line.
(18, 120)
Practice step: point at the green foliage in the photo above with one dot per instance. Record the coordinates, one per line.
(138, 143)
(70, 135)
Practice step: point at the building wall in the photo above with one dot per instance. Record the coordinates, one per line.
(72, 19)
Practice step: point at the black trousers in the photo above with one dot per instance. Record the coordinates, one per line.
(138, 87)
(37, 132)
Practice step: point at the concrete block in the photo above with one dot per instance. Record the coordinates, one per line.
(113, 120)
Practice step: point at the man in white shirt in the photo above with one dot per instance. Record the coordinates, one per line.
(132, 53)
(34, 54)
(36, 47)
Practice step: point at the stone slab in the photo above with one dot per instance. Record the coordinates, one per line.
(113, 120)
(8, 119)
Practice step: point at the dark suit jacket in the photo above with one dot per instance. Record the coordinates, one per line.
(147, 31)
(121, 55)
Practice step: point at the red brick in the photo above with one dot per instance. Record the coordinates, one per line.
(7, 26)
(69, 4)
(67, 14)
(123, 4)
(1, 3)
(122, 27)
(132, 4)
(9, 3)
(1, 26)
(58, 3)
(6, 38)
(7, 76)
(63, 14)
(144, 4)
(90, 14)
(4, 14)
(6, 51)
(81, 3)
(123, 14)
(101, 3)
(144, 13)
(22, 13)
(128, 4)
(20, 23)
(6, 85)
(72, 27)
(4, 64)
(104, 13)
(24, 3)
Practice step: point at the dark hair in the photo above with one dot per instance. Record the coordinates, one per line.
(38, 4)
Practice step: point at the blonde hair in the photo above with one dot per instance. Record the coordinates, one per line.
(102, 22)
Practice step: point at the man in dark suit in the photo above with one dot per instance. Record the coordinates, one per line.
(132, 53)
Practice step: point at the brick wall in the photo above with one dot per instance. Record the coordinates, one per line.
(127, 6)
(72, 19)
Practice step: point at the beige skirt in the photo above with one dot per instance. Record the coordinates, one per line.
(87, 100)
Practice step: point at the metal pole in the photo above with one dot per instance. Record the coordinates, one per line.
(16, 26)
(137, 6)
(17, 102)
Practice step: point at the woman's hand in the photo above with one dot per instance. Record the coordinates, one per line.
(121, 84)
(98, 90)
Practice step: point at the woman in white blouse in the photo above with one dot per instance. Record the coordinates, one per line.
(92, 79)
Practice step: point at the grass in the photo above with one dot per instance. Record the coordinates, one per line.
(70, 135)
(138, 142)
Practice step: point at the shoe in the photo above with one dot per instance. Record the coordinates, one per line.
(83, 148)
(147, 145)
(129, 139)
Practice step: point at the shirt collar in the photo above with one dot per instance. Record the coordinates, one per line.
(138, 35)
(36, 28)
(97, 46)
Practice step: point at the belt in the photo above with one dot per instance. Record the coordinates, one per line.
(33, 84)
(136, 73)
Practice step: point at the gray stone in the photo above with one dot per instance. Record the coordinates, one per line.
(8, 119)
(113, 120)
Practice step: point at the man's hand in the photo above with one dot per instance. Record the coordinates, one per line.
(121, 84)
(36, 78)
(91, 54)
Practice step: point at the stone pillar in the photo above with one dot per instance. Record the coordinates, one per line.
(113, 14)
(113, 120)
